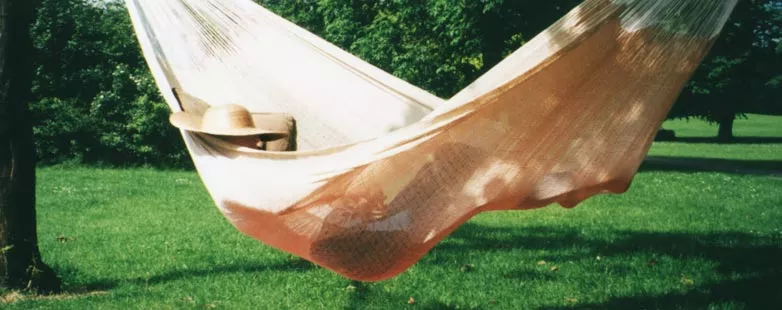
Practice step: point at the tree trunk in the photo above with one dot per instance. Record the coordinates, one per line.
(20, 260)
(493, 41)
(726, 127)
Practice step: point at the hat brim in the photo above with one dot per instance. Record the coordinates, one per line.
(191, 122)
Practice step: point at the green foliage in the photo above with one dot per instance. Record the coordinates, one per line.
(95, 99)
(743, 70)
(439, 45)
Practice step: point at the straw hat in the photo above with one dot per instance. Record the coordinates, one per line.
(224, 120)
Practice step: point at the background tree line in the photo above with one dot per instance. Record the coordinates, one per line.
(95, 102)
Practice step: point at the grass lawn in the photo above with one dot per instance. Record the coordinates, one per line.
(679, 239)
(758, 138)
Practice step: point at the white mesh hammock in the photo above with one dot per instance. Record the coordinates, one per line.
(386, 170)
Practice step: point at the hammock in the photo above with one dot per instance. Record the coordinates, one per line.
(386, 170)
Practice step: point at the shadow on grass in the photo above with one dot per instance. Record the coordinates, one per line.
(762, 292)
(694, 164)
(749, 264)
(735, 140)
(365, 294)
(293, 265)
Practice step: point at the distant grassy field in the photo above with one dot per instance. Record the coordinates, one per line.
(758, 137)
(753, 126)
(679, 239)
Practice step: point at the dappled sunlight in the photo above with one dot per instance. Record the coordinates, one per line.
(569, 115)
(705, 18)
(729, 262)
(575, 126)
(19, 297)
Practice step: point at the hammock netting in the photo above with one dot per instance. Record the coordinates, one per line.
(385, 170)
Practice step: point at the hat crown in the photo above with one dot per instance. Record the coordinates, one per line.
(230, 116)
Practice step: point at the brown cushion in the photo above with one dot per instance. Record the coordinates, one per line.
(277, 122)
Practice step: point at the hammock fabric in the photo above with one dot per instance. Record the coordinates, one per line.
(386, 170)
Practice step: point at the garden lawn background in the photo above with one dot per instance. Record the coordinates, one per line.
(689, 238)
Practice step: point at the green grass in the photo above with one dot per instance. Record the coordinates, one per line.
(754, 125)
(758, 137)
(146, 239)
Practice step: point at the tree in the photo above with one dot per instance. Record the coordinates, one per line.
(443, 45)
(438, 45)
(20, 260)
(741, 74)
(94, 98)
